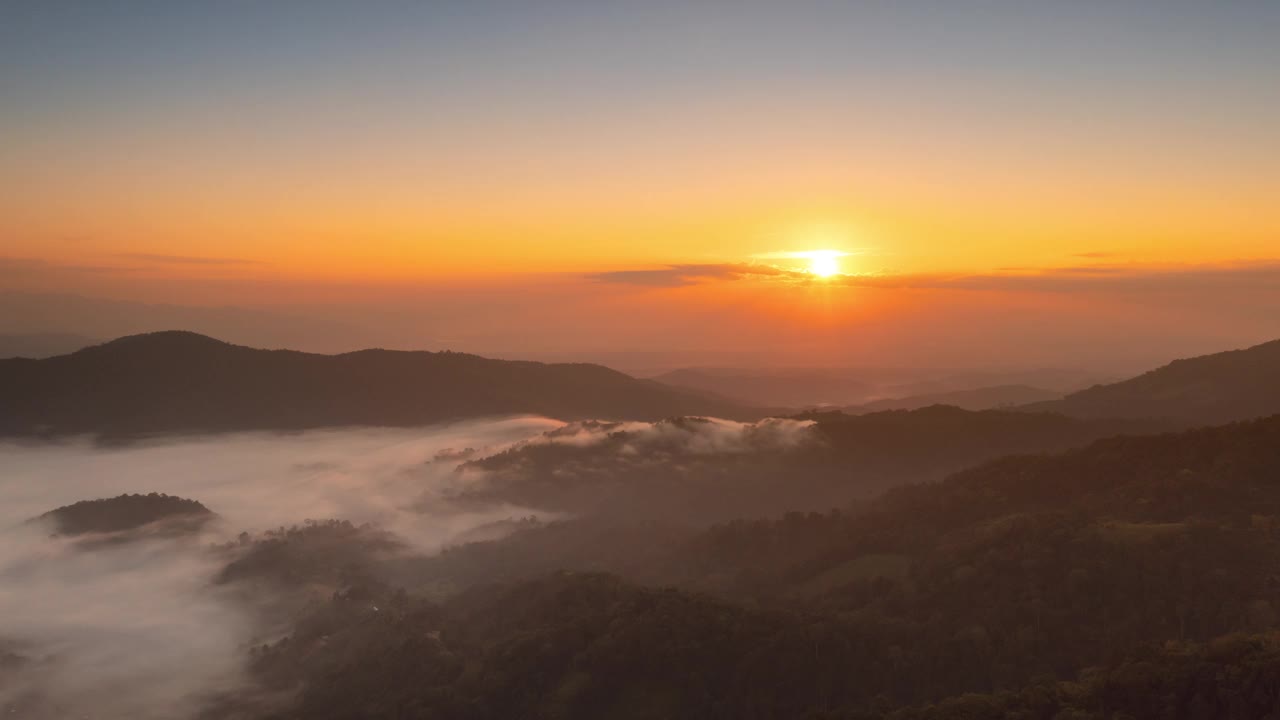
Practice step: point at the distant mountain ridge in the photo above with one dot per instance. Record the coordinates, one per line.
(41, 345)
(1205, 390)
(852, 387)
(178, 381)
(983, 398)
(790, 388)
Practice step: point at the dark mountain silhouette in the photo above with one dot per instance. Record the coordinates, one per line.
(983, 398)
(1205, 390)
(183, 382)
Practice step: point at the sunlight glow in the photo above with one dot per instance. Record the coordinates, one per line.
(822, 263)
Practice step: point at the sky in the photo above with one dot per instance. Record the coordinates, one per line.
(994, 181)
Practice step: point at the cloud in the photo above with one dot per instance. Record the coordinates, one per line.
(1247, 275)
(1256, 275)
(20, 265)
(681, 436)
(686, 274)
(187, 259)
(806, 254)
(689, 468)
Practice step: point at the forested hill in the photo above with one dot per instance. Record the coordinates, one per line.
(184, 382)
(1150, 559)
(664, 473)
(124, 512)
(1205, 390)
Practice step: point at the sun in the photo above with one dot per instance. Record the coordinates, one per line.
(823, 263)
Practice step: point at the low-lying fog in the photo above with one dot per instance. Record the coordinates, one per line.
(136, 629)
(139, 628)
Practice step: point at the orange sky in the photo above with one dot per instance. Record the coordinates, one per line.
(337, 218)
(1099, 163)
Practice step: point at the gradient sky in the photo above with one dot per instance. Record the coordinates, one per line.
(657, 159)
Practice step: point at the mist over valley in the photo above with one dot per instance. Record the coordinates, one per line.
(639, 360)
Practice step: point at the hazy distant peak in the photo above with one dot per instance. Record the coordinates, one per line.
(982, 398)
(41, 345)
(163, 340)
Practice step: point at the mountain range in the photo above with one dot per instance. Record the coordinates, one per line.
(179, 381)
(1204, 390)
(1131, 578)
(982, 398)
(896, 387)
(184, 382)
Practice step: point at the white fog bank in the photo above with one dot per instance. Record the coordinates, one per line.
(137, 630)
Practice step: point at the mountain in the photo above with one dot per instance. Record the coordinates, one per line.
(983, 398)
(39, 345)
(1055, 586)
(1205, 390)
(701, 471)
(801, 387)
(183, 382)
(125, 512)
(849, 386)
(32, 314)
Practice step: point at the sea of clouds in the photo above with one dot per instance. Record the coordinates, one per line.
(139, 629)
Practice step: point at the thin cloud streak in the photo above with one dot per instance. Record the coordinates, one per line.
(1250, 275)
(688, 274)
(25, 266)
(187, 259)
(1257, 275)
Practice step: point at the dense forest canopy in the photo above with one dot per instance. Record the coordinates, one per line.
(125, 512)
(700, 470)
(1132, 577)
